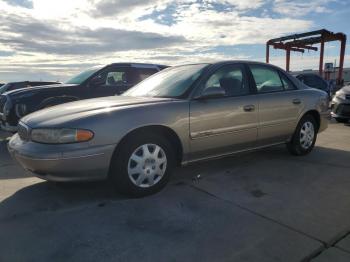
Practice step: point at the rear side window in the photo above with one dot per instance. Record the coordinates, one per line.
(266, 79)
(288, 85)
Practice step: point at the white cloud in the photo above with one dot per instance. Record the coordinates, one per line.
(240, 4)
(299, 8)
(59, 38)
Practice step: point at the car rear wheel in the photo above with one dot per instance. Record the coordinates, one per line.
(304, 138)
(142, 164)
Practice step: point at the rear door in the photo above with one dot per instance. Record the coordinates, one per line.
(279, 104)
(226, 124)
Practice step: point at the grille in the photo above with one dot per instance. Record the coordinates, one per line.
(343, 110)
(2, 103)
(347, 97)
(23, 131)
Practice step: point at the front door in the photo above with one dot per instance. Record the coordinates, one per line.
(225, 124)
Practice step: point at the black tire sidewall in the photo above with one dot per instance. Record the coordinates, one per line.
(120, 160)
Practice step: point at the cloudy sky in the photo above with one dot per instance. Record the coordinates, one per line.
(55, 39)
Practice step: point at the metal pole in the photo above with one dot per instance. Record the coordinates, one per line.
(321, 58)
(287, 59)
(267, 53)
(341, 61)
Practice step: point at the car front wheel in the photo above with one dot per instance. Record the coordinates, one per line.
(142, 165)
(304, 138)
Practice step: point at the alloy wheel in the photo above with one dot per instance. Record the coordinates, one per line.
(307, 134)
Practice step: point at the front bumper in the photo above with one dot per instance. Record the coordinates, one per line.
(340, 108)
(68, 162)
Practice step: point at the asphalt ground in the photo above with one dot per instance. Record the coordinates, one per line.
(259, 206)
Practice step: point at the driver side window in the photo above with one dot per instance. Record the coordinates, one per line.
(230, 78)
(116, 78)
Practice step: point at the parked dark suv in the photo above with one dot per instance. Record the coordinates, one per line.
(17, 85)
(315, 81)
(109, 80)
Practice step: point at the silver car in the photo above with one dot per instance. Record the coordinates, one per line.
(180, 115)
(341, 105)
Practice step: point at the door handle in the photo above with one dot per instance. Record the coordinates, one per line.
(296, 101)
(249, 108)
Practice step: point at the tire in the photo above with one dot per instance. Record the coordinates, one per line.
(341, 120)
(137, 175)
(304, 138)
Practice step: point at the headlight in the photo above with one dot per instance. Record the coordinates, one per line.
(61, 136)
(340, 95)
(21, 110)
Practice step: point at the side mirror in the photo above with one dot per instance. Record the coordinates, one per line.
(212, 92)
(96, 81)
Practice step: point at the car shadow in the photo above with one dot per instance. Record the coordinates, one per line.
(4, 154)
(9, 169)
(319, 156)
(49, 196)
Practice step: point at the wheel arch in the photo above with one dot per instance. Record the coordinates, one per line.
(169, 133)
(315, 114)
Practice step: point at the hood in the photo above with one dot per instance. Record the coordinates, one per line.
(345, 89)
(64, 113)
(31, 90)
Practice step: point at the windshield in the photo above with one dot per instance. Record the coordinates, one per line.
(171, 82)
(4, 88)
(78, 79)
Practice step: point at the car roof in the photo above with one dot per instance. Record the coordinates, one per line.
(308, 74)
(140, 65)
(233, 62)
(19, 82)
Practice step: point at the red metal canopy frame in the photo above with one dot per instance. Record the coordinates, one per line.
(304, 41)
